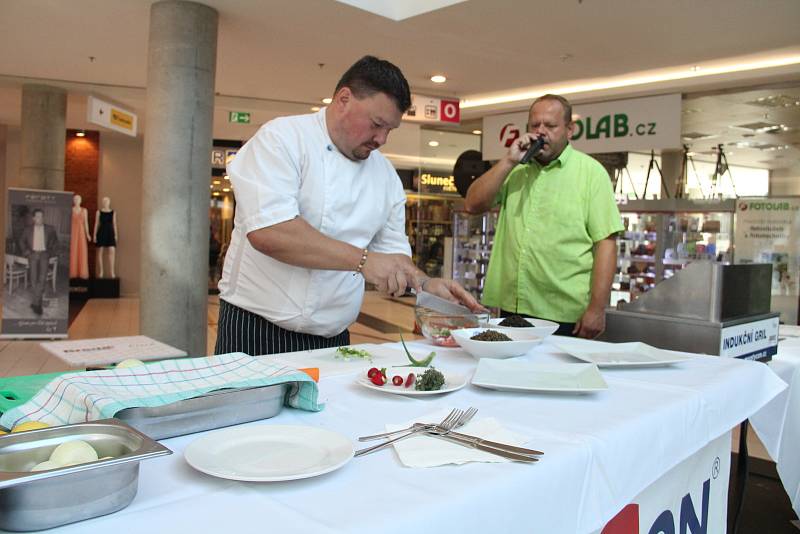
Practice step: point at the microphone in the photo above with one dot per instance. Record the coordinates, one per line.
(535, 147)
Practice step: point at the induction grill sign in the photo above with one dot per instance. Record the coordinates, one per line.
(750, 341)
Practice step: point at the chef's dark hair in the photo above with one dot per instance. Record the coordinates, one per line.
(370, 75)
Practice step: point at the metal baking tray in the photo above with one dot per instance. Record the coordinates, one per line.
(46, 499)
(224, 407)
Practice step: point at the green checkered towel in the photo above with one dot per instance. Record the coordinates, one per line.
(88, 396)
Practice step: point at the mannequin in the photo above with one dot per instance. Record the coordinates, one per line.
(105, 236)
(78, 247)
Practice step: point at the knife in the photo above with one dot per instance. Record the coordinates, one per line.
(485, 448)
(495, 444)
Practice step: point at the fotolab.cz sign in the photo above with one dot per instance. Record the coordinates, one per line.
(111, 116)
(617, 126)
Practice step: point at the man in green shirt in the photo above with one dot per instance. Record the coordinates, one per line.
(554, 253)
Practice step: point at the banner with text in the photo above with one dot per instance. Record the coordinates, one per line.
(37, 248)
(111, 116)
(618, 126)
(431, 109)
(767, 230)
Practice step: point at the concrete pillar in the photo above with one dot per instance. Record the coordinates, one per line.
(44, 116)
(176, 171)
(671, 170)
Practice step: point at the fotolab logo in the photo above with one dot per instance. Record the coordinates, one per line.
(767, 206)
(742, 206)
(627, 521)
(508, 134)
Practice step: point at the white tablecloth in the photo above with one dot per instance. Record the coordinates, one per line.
(778, 424)
(601, 450)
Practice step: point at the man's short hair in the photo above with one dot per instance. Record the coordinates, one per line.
(37, 210)
(370, 75)
(560, 99)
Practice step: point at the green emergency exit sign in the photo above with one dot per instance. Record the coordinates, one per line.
(241, 117)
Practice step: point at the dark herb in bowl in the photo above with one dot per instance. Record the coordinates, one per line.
(430, 380)
(491, 335)
(515, 321)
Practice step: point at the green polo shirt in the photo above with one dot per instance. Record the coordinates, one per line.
(550, 219)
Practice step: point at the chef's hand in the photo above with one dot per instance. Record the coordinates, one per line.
(390, 273)
(592, 323)
(452, 291)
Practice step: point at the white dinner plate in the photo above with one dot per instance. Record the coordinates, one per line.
(520, 375)
(634, 354)
(452, 382)
(269, 453)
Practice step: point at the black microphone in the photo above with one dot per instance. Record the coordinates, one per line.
(535, 147)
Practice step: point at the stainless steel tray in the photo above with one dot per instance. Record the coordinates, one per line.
(224, 407)
(46, 499)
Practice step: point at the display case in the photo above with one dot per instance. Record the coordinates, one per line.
(473, 236)
(662, 236)
(429, 229)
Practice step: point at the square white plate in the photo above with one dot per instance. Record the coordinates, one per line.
(634, 354)
(520, 375)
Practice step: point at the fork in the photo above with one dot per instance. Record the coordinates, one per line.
(447, 424)
(420, 427)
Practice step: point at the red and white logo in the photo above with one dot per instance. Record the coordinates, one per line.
(508, 134)
(449, 111)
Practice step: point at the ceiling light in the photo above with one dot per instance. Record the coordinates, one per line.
(477, 132)
(211, 186)
(226, 189)
(695, 68)
(433, 143)
(438, 78)
(226, 177)
(80, 134)
(327, 100)
(314, 108)
(632, 80)
(215, 193)
(216, 182)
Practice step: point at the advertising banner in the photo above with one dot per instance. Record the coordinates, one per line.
(111, 116)
(767, 230)
(36, 264)
(617, 126)
(692, 497)
(431, 109)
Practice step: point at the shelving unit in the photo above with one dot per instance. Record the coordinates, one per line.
(473, 237)
(429, 229)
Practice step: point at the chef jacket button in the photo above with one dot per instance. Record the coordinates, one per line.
(330, 148)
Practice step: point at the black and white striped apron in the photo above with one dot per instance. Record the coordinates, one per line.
(239, 330)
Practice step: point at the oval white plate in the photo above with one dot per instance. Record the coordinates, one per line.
(269, 453)
(452, 382)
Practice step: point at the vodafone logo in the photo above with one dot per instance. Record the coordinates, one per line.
(450, 111)
(508, 134)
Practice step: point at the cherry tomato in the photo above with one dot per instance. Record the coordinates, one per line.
(378, 379)
(410, 379)
(397, 380)
(372, 372)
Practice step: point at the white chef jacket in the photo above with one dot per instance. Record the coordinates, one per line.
(291, 168)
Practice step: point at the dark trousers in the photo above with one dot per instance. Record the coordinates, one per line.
(239, 330)
(564, 329)
(37, 267)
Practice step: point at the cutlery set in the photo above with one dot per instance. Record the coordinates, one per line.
(446, 430)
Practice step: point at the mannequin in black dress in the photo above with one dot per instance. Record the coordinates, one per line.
(105, 236)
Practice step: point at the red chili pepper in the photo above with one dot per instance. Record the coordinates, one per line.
(410, 379)
(397, 380)
(378, 379)
(372, 372)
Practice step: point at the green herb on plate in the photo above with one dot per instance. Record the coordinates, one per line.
(430, 380)
(349, 353)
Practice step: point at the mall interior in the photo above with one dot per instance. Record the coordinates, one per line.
(118, 119)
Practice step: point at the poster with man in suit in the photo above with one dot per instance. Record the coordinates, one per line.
(35, 298)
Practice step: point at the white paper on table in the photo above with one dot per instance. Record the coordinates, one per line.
(427, 451)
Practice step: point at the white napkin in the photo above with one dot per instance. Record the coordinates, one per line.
(427, 451)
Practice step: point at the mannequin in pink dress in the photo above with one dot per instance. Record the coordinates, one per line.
(78, 244)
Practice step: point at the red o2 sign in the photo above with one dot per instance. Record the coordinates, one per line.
(449, 111)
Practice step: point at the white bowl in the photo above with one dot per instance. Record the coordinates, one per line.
(539, 327)
(521, 342)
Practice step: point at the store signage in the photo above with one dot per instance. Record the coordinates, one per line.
(220, 157)
(36, 281)
(692, 497)
(750, 341)
(617, 126)
(111, 116)
(767, 230)
(240, 117)
(431, 183)
(433, 110)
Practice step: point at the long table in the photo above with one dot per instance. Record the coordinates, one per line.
(601, 451)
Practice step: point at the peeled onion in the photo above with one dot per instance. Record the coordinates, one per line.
(130, 362)
(73, 452)
(44, 466)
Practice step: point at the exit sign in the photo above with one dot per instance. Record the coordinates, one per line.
(241, 117)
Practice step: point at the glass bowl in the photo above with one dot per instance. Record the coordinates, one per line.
(437, 326)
